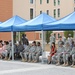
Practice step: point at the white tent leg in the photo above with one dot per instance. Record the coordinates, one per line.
(12, 46)
(74, 35)
(19, 35)
(42, 47)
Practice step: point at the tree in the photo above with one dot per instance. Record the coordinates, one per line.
(48, 33)
(21, 34)
(66, 33)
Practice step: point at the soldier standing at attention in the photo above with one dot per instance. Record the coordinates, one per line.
(52, 39)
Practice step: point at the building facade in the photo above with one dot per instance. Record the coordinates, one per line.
(6, 12)
(29, 9)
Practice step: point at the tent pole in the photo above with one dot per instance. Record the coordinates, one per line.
(74, 35)
(42, 47)
(12, 46)
(19, 35)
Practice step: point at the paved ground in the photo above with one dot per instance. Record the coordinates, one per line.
(24, 68)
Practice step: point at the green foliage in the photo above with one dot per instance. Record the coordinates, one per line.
(21, 34)
(47, 36)
(66, 33)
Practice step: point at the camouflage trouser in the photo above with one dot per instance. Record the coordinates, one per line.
(56, 57)
(10, 54)
(26, 54)
(73, 57)
(31, 56)
(65, 57)
(36, 57)
(22, 55)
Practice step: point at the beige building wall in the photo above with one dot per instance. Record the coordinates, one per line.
(66, 7)
(21, 8)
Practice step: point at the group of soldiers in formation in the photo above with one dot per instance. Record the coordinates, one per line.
(24, 50)
(65, 51)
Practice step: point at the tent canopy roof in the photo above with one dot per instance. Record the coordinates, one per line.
(0, 22)
(7, 25)
(65, 23)
(41, 19)
(36, 23)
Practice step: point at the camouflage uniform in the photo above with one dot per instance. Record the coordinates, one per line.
(38, 52)
(26, 52)
(58, 54)
(73, 54)
(52, 39)
(32, 53)
(66, 54)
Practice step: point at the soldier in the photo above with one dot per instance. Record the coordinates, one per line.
(38, 52)
(69, 39)
(66, 54)
(60, 41)
(58, 54)
(52, 39)
(20, 50)
(72, 53)
(64, 39)
(26, 52)
(32, 51)
(24, 39)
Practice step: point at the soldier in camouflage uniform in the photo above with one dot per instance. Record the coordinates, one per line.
(32, 51)
(69, 39)
(38, 52)
(72, 53)
(52, 39)
(60, 41)
(21, 49)
(58, 54)
(26, 52)
(66, 54)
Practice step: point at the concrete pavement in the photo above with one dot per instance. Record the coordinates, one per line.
(24, 68)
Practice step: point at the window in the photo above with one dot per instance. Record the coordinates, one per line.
(31, 1)
(47, 1)
(58, 12)
(54, 13)
(40, 35)
(31, 13)
(40, 1)
(74, 8)
(74, 1)
(40, 12)
(54, 2)
(47, 12)
(58, 2)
